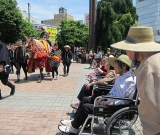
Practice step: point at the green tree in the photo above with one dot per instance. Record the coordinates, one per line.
(12, 26)
(10, 21)
(72, 33)
(28, 30)
(114, 18)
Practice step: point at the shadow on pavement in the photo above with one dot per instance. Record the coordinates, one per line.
(5, 97)
(60, 133)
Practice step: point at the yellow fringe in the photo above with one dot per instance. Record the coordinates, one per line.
(45, 43)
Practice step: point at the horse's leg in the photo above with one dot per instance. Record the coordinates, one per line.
(40, 75)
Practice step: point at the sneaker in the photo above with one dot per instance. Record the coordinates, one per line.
(68, 130)
(52, 79)
(66, 122)
(18, 80)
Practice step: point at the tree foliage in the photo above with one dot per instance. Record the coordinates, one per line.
(114, 18)
(72, 33)
(12, 26)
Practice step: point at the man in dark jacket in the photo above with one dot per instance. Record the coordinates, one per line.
(20, 61)
(5, 68)
(12, 57)
(67, 57)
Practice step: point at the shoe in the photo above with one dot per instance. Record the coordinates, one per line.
(12, 90)
(18, 80)
(66, 122)
(64, 75)
(56, 77)
(26, 78)
(52, 79)
(74, 106)
(39, 81)
(68, 130)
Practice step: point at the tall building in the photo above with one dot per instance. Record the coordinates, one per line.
(58, 17)
(25, 16)
(149, 15)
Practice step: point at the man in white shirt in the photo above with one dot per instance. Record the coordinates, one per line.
(124, 87)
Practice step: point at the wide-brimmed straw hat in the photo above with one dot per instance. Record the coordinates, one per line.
(122, 58)
(67, 46)
(139, 39)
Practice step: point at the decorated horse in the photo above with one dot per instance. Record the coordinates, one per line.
(38, 51)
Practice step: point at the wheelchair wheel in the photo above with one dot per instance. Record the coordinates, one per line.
(124, 122)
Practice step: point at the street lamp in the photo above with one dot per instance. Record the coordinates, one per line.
(29, 8)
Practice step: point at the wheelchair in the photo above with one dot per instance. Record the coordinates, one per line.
(115, 120)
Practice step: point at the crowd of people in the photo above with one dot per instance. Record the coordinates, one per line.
(139, 69)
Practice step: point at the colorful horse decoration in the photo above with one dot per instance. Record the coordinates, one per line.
(39, 50)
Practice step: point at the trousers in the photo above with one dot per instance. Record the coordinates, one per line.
(66, 65)
(85, 108)
(4, 78)
(84, 92)
(24, 66)
(54, 69)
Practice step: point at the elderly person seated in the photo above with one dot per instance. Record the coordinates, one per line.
(86, 89)
(100, 70)
(125, 86)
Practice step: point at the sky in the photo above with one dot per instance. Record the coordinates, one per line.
(45, 9)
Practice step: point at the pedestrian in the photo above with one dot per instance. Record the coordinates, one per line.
(45, 36)
(5, 68)
(141, 48)
(99, 52)
(67, 57)
(20, 60)
(54, 61)
(12, 57)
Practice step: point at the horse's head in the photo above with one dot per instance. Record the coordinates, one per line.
(30, 42)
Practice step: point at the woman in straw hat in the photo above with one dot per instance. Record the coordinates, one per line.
(140, 47)
(124, 86)
(67, 57)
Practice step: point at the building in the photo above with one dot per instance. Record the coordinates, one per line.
(149, 15)
(58, 17)
(25, 16)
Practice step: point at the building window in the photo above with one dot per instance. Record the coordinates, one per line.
(141, 0)
(157, 4)
(158, 32)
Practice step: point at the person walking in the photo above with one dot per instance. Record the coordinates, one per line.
(5, 68)
(12, 58)
(67, 57)
(20, 60)
(141, 48)
(54, 61)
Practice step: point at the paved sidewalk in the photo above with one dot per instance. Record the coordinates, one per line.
(36, 109)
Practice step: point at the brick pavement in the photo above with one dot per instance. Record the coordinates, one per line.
(36, 109)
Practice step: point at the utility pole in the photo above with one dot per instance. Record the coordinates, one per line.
(28, 12)
(92, 23)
